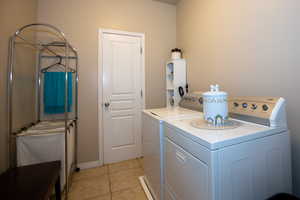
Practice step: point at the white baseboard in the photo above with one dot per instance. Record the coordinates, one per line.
(88, 165)
(145, 188)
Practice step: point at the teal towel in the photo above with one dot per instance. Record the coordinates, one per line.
(54, 92)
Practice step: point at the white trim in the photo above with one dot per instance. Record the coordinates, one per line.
(118, 32)
(143, 71)
(100, 81)
(100, 97)
(88, 165)
(145, 188)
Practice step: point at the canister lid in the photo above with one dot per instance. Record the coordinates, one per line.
(214, 91)
(176, 50)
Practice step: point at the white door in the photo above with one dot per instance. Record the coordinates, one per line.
(122, 97)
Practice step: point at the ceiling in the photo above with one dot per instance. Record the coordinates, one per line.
(169, 1)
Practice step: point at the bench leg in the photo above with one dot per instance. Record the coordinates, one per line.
(57, 189)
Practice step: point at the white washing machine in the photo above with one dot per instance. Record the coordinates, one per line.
(152, 131)
(247, 159)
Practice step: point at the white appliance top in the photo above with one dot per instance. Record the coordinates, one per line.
(258, 117)
(171, 113)
(216, 139)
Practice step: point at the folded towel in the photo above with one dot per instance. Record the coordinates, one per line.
(54, 92)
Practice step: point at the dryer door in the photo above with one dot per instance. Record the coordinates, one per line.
(186, 176)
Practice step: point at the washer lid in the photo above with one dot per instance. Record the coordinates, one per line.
(166, 113)
(217, 139)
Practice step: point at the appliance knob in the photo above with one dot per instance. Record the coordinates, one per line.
(254, 106)
(265, 107)
(200, 100)
(236, 104)
(245, 105)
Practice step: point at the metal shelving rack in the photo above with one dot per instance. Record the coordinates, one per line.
(57, 47)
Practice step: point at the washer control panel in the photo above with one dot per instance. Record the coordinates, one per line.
(261, 107)
(269, 111)
(193, 101)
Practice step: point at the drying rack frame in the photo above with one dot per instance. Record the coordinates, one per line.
(41, 48)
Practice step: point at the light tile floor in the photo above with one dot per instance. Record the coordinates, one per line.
(118, 181)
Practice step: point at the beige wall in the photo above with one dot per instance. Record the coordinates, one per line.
(13, 14)
(80, 20)
(249, 47)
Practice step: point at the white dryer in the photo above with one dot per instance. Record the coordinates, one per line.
(152, 142)
(247, 159)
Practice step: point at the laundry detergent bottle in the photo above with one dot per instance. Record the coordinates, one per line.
(215, 106)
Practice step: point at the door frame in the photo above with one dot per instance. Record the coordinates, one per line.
(101, 32)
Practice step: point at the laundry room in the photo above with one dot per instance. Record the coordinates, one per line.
(149, 99)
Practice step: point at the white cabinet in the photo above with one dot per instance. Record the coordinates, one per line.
(175, 77)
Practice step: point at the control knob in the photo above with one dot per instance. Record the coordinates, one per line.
(265, 107)
(245, 105)
(253, 106)
(200, 100)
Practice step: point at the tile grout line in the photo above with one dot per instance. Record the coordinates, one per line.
(109, 182)
(140, 162)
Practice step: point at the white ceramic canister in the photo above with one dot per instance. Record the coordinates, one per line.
(215, 107)
(176, 54)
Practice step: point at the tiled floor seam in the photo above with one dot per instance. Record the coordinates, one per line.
(140, 163)
(109, 182)
(125, 170)
(138, 160)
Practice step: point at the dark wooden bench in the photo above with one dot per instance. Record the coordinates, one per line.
(32, 182)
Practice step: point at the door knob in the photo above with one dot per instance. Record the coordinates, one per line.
(106, 104)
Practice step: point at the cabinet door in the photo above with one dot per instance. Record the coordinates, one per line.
(256, 169)
(186, 176)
